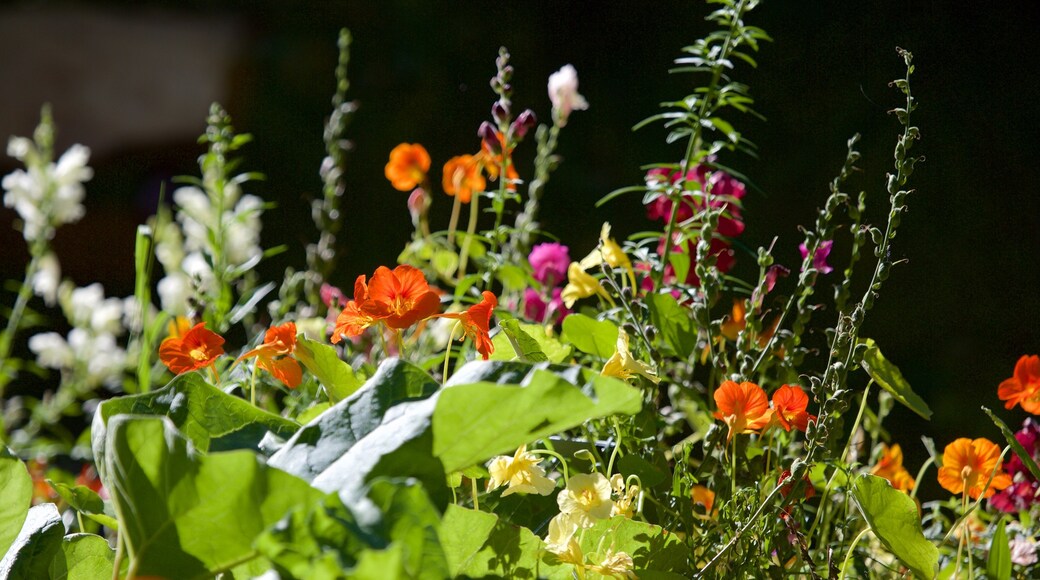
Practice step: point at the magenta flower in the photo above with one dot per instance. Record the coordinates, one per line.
(1021, 495)
(537, 310)
(550, 262)
(819, 261)
(725, 192)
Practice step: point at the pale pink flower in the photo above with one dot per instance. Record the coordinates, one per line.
(563, 92)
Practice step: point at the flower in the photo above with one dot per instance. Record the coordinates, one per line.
(397, 298)
(274, 355)
(1024, 387)
(197, 349)
(586, 498)
(743, 407)
(494, 154)
(967, 466)
(610, 252)
(890, 466)
(1023, 550)
(562, 543)
(1022, 494)
(623, 365)
(549, 262)
(46, 279)
(819, 260)
(48, 195)
(521, 472)
(581, 285)
(787, 486)
(352, 320)
(725, 192)
(704, 497)
(615, 565)
(476, 322)
(626, 496)
(462, 177)
(789, 404)
(563, 92)
(408, 166)
(536, 309)
(178, 326)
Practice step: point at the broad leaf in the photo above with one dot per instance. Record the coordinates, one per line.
(332, 372)
(674, 324)
(1017, 447)
(894, 519)
(83, 557)
(209, 417)
(651, 547)
(998, 567)
(86, 501)
(535, 345)
(17, 496)
(591, 336)
(479, 545)
(474, 422)
(888, 376)
(183, 514)
(29, 557)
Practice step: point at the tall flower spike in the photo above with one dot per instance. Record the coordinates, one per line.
(197, 349)
(274, 355)
(408, 166)
(624, 366)
(743, 407)
(476, 322)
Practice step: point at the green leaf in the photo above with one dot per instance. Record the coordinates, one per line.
(324, 363)
(894, 519)
(998, 567)
(888, 376)
(473, 422)
(463, 533)
(535, 344)
(507, 551)
(381, 430)
(1017, 447)
(86, 501)
(17, 496)
(674, 324)
(591, 336)
(445, 262)
(83, 557)
(29, 557)
(212, 419)
(651, 547)
(184, 514)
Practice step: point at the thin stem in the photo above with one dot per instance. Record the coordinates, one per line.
(852, 550)
(447, 353)
(453, 222)
(473, 490)
(563, 464)
(118, 562)
(14, 322)
(252, 385)
(471, 230)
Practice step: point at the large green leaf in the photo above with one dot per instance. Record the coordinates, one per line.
(83, 557)
(473, 422)
(591, 336)
(333, 372)
(894, 519)
(187, 515)
(29, 557)
(14, 502)
(888, 376)
(674, 324)
(652, 548)
(381, 430)
(209, 417)
(479, 545)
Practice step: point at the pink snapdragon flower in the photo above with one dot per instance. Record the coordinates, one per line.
(536, 309)
(819, 261)
(549, 262)
(725, 191)
(563, 92)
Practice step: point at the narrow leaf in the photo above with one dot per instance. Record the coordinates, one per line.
(998, 567)
(888, 376)
(1017, 447)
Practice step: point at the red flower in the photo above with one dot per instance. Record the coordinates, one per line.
(197, 349)
(789, 404)
(274, 355)
(1024, 387)
(397, 298)
(352, 321)
(476, 323)
(786, 485)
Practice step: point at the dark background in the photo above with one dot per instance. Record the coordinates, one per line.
(955, 318)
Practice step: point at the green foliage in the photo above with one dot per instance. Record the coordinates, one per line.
(998, 566)
(893, 518)
(83, 557)
(888, 376)
(17, 486)
(1020, 451)
(333, 373)
(38, 542)
(86, 501)
(590, 336)
(528, 342)
(674, 324)
(183, 514)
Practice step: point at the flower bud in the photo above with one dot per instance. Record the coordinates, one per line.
(524, 123)
(500, 112)
(489, 136)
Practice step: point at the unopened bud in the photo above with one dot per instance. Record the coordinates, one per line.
(524, 123)
(489, 136)
(500, 112)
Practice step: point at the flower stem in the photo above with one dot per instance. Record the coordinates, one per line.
(471, 230)
(447, 353)
(252, 386)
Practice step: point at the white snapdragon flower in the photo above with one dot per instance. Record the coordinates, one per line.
(46, 196)
(88, 308)
(174, 291)
(47, 278)
(196, 267)
(169, 247)
(51, 350)
(195, 214)
(103, 359)
(563, 92)
(242, 230)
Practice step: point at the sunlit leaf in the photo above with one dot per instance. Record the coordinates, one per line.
(332, 372)
(888, 376)
(998, 567)
(17, 495)
(38, 541)
(83, 557)
(1016, 447)
(894, 519)
(591, 336)
(674, 324)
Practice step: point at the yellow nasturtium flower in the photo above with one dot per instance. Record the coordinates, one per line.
(521, 472)
(561, 541)
(581, 285)
(586, 499)
(623, 365)
(610, 252)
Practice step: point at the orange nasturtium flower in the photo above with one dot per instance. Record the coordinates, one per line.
(475, 322)
(492, 161)
(705, 498)
(890, 466)
(397, 298)
(743, 407)
(789, 404)
(462, 177)
(274, 355)
(196, 349)
(967, 466)
(408, 166)
(1024, 387)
